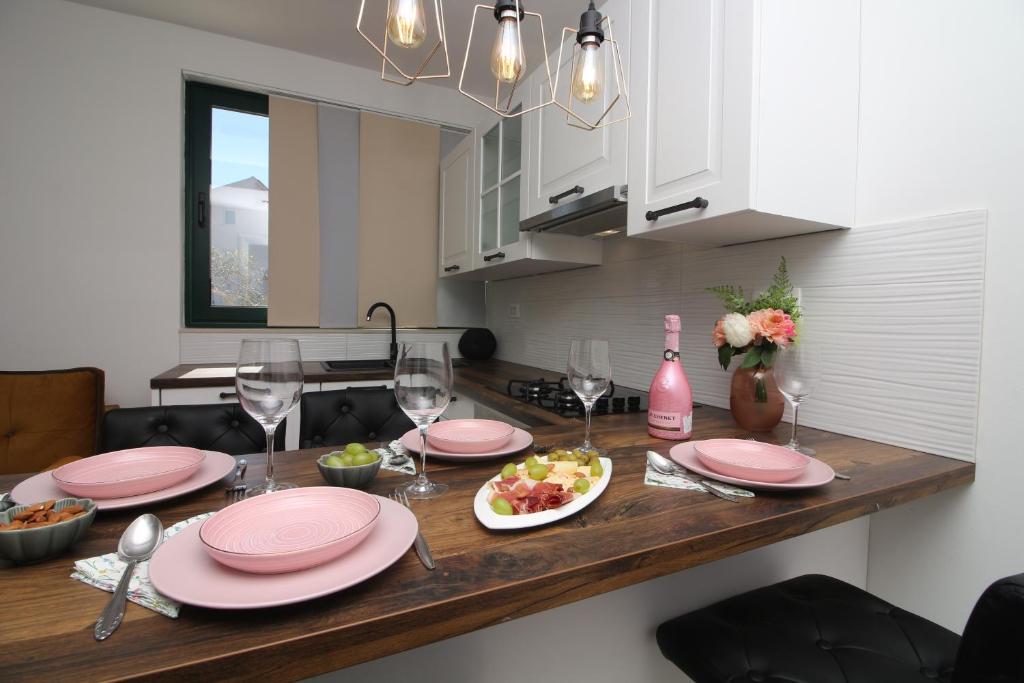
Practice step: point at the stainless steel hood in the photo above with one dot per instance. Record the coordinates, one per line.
(589, 215)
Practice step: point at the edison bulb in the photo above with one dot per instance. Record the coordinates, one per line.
(506, 55)
(407, 26)
(588, 76)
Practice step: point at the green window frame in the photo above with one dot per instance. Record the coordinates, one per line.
(200, 100)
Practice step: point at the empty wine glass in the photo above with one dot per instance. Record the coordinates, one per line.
(268, 379)
(423, 388)
(797, 371)
(590, 371)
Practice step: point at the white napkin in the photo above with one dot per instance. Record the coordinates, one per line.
(395, 450)
(104, 571)
(653, 477)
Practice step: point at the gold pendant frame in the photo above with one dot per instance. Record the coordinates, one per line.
(503, 106)
(409, 79)
(622, 91)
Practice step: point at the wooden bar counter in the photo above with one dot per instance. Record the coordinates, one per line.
(630, 534)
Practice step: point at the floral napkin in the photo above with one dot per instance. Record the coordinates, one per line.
(105, 571)
(678, 481)
(396, 458)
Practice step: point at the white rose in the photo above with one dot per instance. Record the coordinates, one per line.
(737, 330)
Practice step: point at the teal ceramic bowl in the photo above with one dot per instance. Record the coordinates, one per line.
(23, 546)
(354, 477)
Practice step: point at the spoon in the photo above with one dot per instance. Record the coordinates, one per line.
(666, 466)
(138, 542)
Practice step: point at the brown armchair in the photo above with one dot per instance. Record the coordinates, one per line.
(48, 418)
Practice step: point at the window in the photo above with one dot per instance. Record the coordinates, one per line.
(227, 195)
(499, 196)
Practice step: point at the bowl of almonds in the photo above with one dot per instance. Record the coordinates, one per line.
(36, 532)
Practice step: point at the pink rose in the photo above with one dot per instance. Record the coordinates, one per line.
(718, 336)
(773, 325)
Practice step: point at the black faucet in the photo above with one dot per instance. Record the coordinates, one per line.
(394, 331)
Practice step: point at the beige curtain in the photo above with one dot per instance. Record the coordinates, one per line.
(293, 296)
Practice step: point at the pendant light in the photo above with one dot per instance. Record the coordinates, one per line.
(407, 28)
(589, 83)
(508, 59)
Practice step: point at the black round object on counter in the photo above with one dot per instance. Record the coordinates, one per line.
(477, 343)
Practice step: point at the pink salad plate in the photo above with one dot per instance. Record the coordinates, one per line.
(290, 530)
(131, 472)
(215, 466)
(816, 474)
(520, 440)
(469, 436)
(745, 459)
(182, 570)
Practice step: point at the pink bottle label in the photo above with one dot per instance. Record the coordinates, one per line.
(670, 422)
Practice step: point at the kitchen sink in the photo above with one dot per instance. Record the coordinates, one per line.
(363, 364)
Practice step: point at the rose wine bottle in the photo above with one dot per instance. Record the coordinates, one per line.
(670, 408)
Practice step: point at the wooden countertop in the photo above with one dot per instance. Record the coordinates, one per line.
(630, 534)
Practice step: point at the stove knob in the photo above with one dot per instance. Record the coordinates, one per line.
(634, 404)
(618, 404)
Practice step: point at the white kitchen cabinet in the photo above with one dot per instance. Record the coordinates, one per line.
(562, 157)
(751, 106)
(459, 197)
(226, 394)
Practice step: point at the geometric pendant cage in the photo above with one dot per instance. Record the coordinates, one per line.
(439, 41)
(574, 116)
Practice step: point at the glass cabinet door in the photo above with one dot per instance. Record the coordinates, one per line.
(500, 170)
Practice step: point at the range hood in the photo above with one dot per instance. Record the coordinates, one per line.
(594, 214)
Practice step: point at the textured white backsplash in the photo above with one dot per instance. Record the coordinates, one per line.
(896, 310)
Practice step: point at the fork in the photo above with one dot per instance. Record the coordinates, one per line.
(422, 549)
(236, 493)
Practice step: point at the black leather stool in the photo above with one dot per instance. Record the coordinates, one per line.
(223, 427)
(357, 414)
(816, 629)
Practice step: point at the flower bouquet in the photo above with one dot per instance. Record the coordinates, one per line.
(758, 329)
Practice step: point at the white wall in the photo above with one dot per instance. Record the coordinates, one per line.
(91, 175)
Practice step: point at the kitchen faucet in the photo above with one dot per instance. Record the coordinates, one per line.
(394, 331)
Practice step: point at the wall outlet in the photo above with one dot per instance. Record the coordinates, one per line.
(513, 311)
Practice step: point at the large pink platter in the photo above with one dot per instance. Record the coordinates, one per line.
(469, 436)
(816, 474)
(520, 440)
(131, 472)
(183, 571)
(290, 530)
(746, 459)
(214, 467)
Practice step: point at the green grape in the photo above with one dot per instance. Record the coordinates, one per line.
(581, 485)
(363, 458)
(502, 506)
(538, 471)
(334, 461)
(531, 461)
(509, 470)
(355, 448)
(347, 460)
(596, 469)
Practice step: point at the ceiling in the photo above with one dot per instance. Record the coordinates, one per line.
(326, 28)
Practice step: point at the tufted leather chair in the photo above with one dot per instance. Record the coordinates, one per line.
(214, 427)
(357, 414)
(817, 629)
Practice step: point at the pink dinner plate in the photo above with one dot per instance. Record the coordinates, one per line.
(816, 474)
(290, 530)
(469, 436)
(746, 459)
(215, 466)
(520, 440)
(131, 472)
(183, 571)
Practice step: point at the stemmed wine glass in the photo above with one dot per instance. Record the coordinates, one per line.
(423, 388)
(590, 371)
(797, 372)
(268, 379)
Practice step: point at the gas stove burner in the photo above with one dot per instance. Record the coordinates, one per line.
(558, 397)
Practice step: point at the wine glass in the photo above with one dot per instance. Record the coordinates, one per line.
(268, 379)
(797, 372)
(590, 371)
(423, 388)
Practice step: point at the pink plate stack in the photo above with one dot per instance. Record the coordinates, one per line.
(469, 436)
(131, 472)
(752, 460)
(290, 530)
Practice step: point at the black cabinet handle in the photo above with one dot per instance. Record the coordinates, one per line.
(497, 254)
(228, 394)
(201, 210)
(451, 269)
(554, 199)
(695, 203)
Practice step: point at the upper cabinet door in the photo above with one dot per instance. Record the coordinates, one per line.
(562, 156)
(500, 197)
(458, 215)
